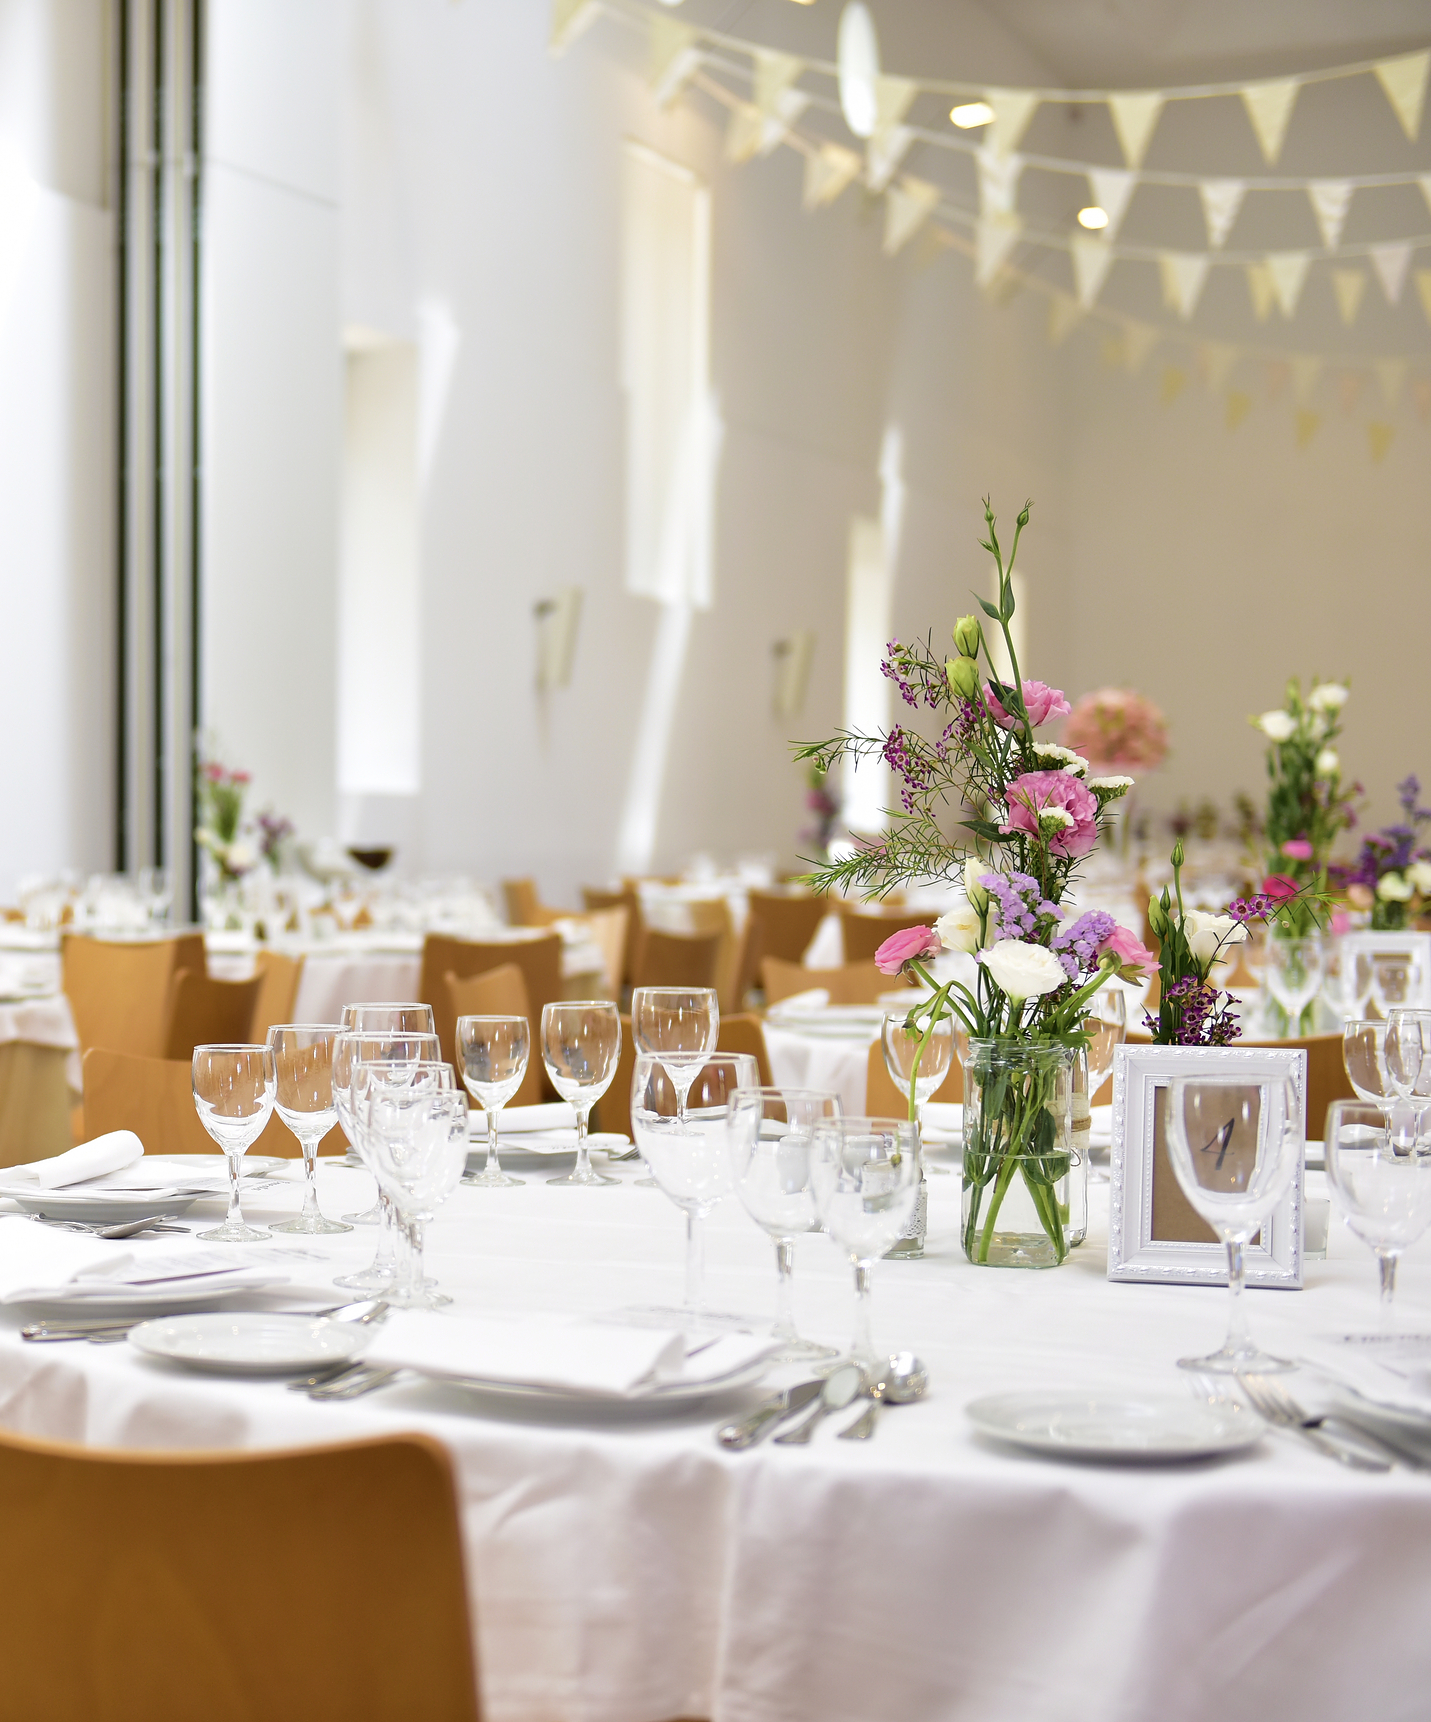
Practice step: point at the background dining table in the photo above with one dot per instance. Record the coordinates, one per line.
(624, 1568)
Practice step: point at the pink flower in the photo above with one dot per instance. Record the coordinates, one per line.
(1134, 957)
(1040, 701)
(1278, 886)
(1118, 730)
(1297, 849)
(906, 946)
(1341, 923)
(1035, 791)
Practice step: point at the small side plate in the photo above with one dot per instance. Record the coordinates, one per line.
(1152, 1429)
(242, 1342)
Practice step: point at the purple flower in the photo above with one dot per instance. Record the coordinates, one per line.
(1077, 947)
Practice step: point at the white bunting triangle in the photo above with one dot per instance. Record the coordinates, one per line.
(1139, 339)
(1391, 263)
(1425, 183)
(1134, 117)
(1259, 286)
(1269, 107)
(1216, 359)
(1289, 271)
(1221, 200)
(771, 76)
(1013, 109)
(1331, 199)
(1404, 80)
(883, 154)
(570, 19)
(1092, 259)
(1306, 368)
(1348, 285)
(893, 99)
(1112, 187)
(1391, 374)
(827, 173)
(908, 204)
(1063, 313)
(998, 180)
(1184, 273)
(673, 59)
(744, 131)
(1423, 287)
(995, 236)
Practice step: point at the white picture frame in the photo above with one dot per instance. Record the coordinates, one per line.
(1137, 1161)
(1408, 942)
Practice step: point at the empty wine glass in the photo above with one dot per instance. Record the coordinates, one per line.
(1234, 1147)
(911, 1056)
(1396, 980)
(1381, 1187)
(1294, 975)
(581, 1044)
(769, 1136)
(865, 1176)
(399, 1018)
(302, 1055)
(233, 1094)
(417, 1135)
(1106, 1026)
(492, 1053)
(681, 1025)
(1346, 983)
(1407, 1052)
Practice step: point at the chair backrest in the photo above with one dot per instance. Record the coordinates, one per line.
(743, 1033)
(154, 1097)
(677, 959)
(865, 933)
(127, 1605)
(780, 924)
(119, 988)
(613, 1111)
(205, 1012)
(521, 901)
(712, 915)
(278, 996)
(853, 984)
(539, 960)
(501, 992)
(1326, 1074)
(607, 929)
(884, 1098)
(594, 900)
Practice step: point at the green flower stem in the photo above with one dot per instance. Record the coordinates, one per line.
(936, 1012)
(996, 1201)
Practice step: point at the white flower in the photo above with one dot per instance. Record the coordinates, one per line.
(1211, 935)
(1110, 786)
(1278, 725)
(974, 871)
(1393, 888)
(1023, 971)
(1062, 758)
(1056, 819)
(1419, 873)
(960, 929)
(1328, 762)
(1329, 696)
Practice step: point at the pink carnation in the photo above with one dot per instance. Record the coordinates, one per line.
(1297, 849)
(1134, 957)
(1278, 886)
(1118, 730)
(905, 946)
(1035, 790)
(1041, 702)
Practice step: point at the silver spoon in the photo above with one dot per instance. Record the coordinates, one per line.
(903, 1380)
(841, 1387)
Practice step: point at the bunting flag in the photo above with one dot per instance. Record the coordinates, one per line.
(1091, 262)
(1349, 391)
(1306, 368)
(995, 236)
(674, 56)
(1269, 107)
(1221, 200)
(1278, 374)
(1423, 287)
(1378, 436)
(1013, 109)
(1239, 404)
(1259, 285)
(1391, 374)
(751, 131)
(1288, 270)
(908, 204)
(1391, 263)
(998, 180)
(1175, 380)
(1307, 423)
(1134, 117)
(1331, 198)
(1425, 184)
(827, 173)
(886, 149)
(771, 76)
(1348, 285)
(1421, 393)
(893, 99)
(1139, 339)
(1063, 313)
(1404, 80)
(1111, 188)
(1215, 361)
(1184, 273)
(570, 19)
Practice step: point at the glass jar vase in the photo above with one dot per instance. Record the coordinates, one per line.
(1025, 1183)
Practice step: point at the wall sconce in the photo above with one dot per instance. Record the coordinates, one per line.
(557, 620)
(792, 671)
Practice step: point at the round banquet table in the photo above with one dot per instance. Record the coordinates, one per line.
(625, 1569)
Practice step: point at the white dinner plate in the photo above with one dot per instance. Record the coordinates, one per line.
(161, 1299)
(1138, 1429)
(106, 1208)
(244, 1343)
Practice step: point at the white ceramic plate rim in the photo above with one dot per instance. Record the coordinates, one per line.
(110, 1210)
(1225, 1428)
(673, 1393)
(200, 1342)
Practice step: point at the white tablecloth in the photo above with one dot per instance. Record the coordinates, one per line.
(43, 1021)
(627, 1572)
(837, 1065)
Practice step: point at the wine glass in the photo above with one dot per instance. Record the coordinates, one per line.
(1382, 1187)
(1234, 1147)
(911, 1055)
(1294, 975)
(1407, 1049)
(401, 1018)
(865, 1176)
(1346, 984)
(769, 1136)
(302, 1055)
(416, 1131)
(581, 1044)
(681, 1025)
(1106, 1026)
(686, 1148)
(492, 1053)
(1395, 980)
(233, 1094)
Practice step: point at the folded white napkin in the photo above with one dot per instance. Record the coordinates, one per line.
(1394, 1370)
(39, 1264)
(813, 998)
(110, 1153)
(519, 1120)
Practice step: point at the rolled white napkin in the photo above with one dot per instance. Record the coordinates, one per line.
(109, 1153)
(520, 1120)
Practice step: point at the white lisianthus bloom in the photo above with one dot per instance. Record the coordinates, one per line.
(1061, 758)
(1329, 762)
(1023, 971)
(1328, 697)
(1110, 786)
(974, 871)
(1278, 725)
(1393, 888)
(1208, 935)
(960, 929)
(1419, 873)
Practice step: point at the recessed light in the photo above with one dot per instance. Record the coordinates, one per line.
(971, 114)
(1093, 217)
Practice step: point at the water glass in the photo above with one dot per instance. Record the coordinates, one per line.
(233, 1094)
(417, 1135)
(682, 1025)
(1294, 975)
(302, 1055)
(492, 1054)
(769, 1137)
(1381, 1186)
(1346, 981)
(1234, 1147)
(1106, 1026)
(865, 1176)
(914, 1056)
(409, 1018)
(1396, 980)
(581, 1046)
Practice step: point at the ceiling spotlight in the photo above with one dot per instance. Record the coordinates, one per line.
(1093, 217)
(971, 114)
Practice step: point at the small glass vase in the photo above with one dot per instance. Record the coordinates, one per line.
(1025, 1185)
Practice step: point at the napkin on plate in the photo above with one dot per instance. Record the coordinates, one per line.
(1392, 1370)
(521, 1120)
(109, 1153)
(39, 1264)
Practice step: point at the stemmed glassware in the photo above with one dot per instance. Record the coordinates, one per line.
(233, 1094)
(769, 1136)
(865, 1176)
(1234, 1147)
(410, 1018)
(1294, 975)
(492, 1054)
(902, 1050)
(686, 1147)
(1396, 980)
(302, 1055)
(416, 1130)
(581, 1045)
(681, 1025)
(1382, 1186)
(1346, 983)
(1106, 1026)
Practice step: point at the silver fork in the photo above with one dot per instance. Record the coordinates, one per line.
(1276, 1406)
(352, 1386)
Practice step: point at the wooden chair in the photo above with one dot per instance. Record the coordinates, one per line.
(501, 992)
(205, 1012)
(278, 996)
(780, 924)
(613, 1111)
(676, 959)
(538, 959)
(865, 933)
(712, 915)
(119, 989)
(854, 984)
(743, 1033)
(1326, 1074)
(135, 1574)
(885, 1099)
(607, 929)
(524, 905)
(594, 901)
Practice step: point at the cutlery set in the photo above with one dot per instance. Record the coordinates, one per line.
(900, 1381)
(100, 1332)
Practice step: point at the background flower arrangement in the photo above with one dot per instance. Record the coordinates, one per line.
(1391, 877)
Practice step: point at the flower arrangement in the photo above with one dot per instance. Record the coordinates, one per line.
(1392, 876)
(273, 832)
(1117, 729)
(823, 809)
(1025, 812)
(221, 795)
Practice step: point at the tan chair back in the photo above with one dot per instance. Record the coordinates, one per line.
(884, 1098)
(712, 915)
(1326, 1074)
(126, 1610)
(521, 901)
(613, 1110)
(780, 924)
(278, 996)
(501, 992)
(865, 933)
(854, 984)
(119, 988)
(677, 959)
(743, 1033)
(594, 901)
(204, 1012)
(538, 959)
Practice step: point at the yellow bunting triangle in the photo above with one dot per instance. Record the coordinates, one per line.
(995, 236)
(1259, 285)
(1306, 368)
(893, 99)
(1331, 199)
(570, 18)
(1349, 390)
(827, 173)
(1239, 404)
(1288, 270)
(1013, 109)
(744, 132)
(674, 56)
(884, 152)
(1391, 263)
(1215, 361)
(1391, 374)
(1174, 382)
(1349, 285)
(908, 204)
(1307, 423)
(1063, 313)
(1139, 339)
(1278, 374)
(1421, 393)
(1221, 200)
(1404, 80)
(998, 180)
(1183, 273)
(1134, 117)
(1423, 287)
(1269, 107)
(1378, 436)
(771, 75)
(1091, 262)
(1111, 187)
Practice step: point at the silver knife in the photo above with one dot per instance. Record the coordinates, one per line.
(738, 1436)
